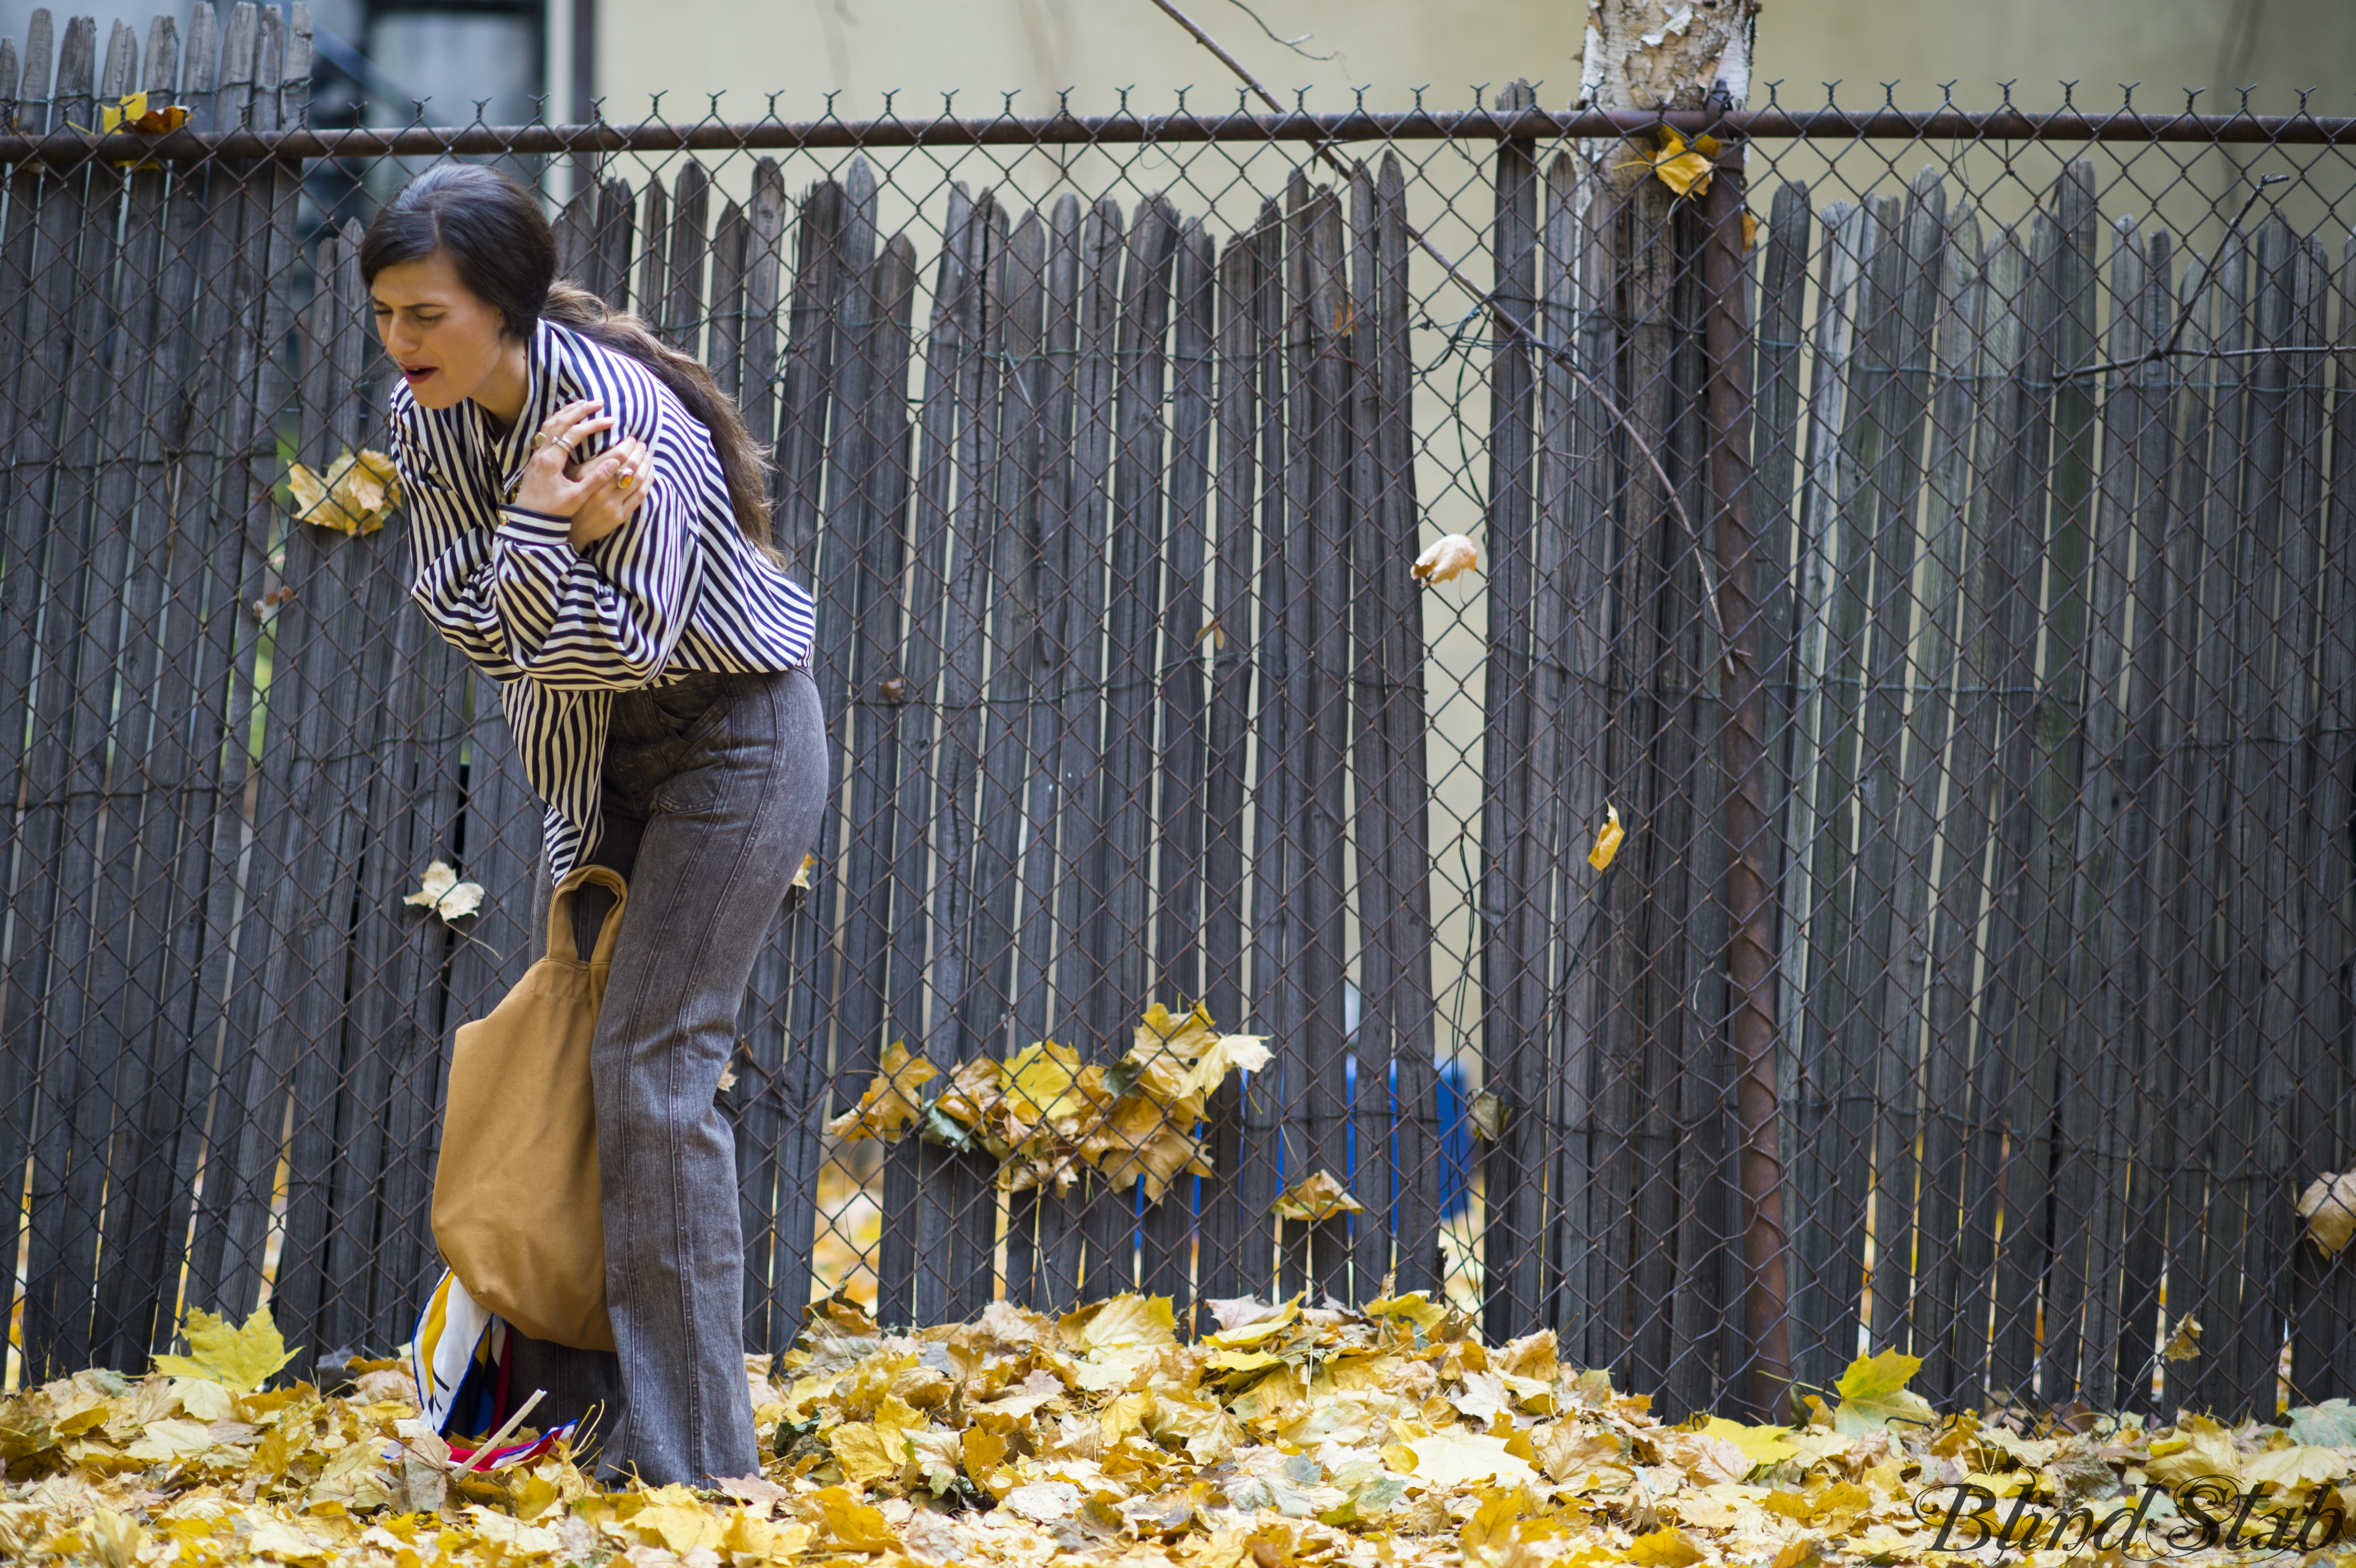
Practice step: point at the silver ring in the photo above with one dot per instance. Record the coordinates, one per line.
(625, 477)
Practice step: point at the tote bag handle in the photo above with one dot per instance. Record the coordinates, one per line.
(560, 913)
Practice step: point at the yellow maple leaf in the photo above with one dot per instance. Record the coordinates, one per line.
(2200, 1447)
(2295, 1465)
(130, 112)
(1228, 1053)
(866, 1453)
(1494, 1515)
(1260, 1329)
(974, 1091)
(1453, 1459)
(1873, 1393)
(1664, 1548)
(1046, 1083)
(1161, 1032)
(163, 1440)
(1143, 1141)
(673, 1517)
(981, 1450)
(1120, 1321)
(239, 1358)
(1760, 1445)
(115, 1541)
(1414, 1307)
(853, 1525)
(893, 1101)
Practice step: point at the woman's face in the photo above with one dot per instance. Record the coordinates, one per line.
(446, 341)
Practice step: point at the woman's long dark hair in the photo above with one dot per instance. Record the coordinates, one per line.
(495, 235)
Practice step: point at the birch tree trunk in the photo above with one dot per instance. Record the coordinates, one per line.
(1666, 54)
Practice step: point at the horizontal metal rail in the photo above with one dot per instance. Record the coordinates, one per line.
(1072, 130)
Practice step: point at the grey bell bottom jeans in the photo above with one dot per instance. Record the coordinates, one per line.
(713, 785)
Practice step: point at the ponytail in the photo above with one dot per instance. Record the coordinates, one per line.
(741, 458)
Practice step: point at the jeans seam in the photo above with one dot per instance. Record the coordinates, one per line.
(765, 800)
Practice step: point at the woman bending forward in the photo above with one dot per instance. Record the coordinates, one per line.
(590, 528)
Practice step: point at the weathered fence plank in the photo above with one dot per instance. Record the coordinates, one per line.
(1946, 651)
(1133, 698)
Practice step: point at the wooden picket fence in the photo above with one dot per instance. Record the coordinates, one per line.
(1110, 507)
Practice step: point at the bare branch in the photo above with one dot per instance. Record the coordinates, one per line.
(1292, 44)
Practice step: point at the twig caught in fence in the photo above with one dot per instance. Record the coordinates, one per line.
(2162, 350)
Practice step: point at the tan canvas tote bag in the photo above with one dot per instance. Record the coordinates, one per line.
(516, 1212)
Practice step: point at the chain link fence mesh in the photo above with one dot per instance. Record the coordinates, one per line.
(1928, 537)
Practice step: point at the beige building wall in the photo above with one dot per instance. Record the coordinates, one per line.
(802, 49)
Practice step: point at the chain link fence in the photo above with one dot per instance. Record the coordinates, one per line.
(1928, 536)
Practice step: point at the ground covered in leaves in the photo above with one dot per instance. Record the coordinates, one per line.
(1281, 1437)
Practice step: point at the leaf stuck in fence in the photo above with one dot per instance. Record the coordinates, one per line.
(356, 494)
(441, 890)
(1684, 168)
(1046, 1115)
(131, 112)
(894, 1099)
(2328, 1207)
(1319, 1195)
(1608, 839)
(1451, 556)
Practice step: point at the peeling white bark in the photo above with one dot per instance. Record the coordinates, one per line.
(1666, 54)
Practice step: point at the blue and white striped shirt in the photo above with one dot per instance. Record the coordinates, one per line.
(678, 589)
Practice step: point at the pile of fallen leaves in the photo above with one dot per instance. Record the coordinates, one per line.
(1044, 1116)
(1284, 1437)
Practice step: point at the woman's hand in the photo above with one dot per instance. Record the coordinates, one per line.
(596, 497)
(617, 480)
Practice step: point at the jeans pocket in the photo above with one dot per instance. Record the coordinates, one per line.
(700, 753)
(692, 708)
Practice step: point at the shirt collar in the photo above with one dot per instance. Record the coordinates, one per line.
(545, 391)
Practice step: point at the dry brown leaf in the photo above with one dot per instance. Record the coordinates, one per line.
(1451, 556)
(2328, 1207)
(356, 494)
(440, 890)
(1319, 1195)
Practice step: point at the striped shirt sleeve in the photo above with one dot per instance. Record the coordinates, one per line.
(522, 598)
(450, 552)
